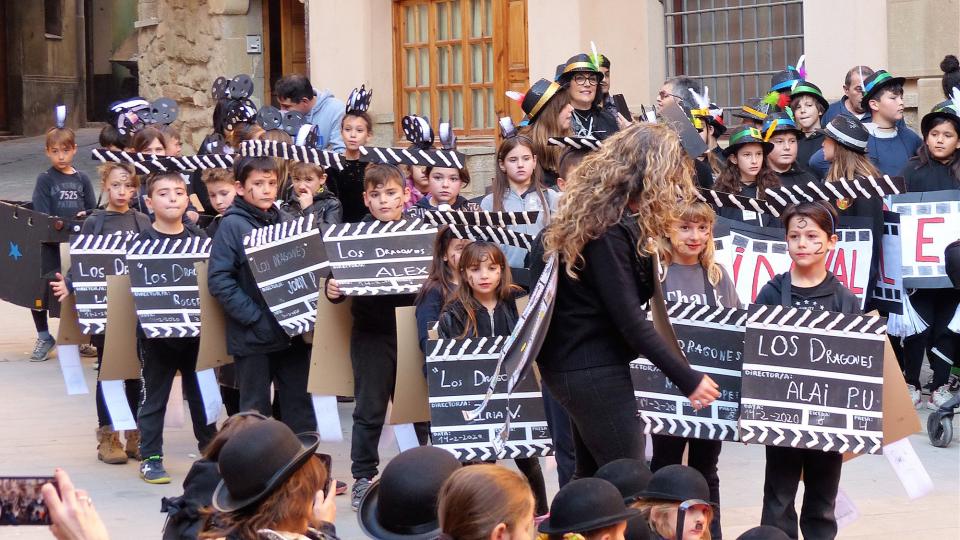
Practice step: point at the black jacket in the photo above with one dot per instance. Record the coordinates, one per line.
(795, 176)
(807, 146)
(704, 174)
(595, 122)
(599, 319)
(454, 320)
(251, 328)
(429, 305)
(934, 176)
(347, 185)
(183, 512)
(829, 295)
(460, 204)
(326, 207)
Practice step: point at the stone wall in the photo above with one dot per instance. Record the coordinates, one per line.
(185, 45)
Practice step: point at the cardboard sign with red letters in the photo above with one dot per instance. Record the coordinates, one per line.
(928, 223)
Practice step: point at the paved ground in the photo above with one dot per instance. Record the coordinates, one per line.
(44, 428)
(21, 160)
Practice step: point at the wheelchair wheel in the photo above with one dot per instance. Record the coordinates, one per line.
(940, 430)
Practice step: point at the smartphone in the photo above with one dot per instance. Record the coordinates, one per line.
(21, 502)
(621, 104)
(327, 461)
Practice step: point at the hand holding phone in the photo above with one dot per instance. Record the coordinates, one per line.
(72, 513)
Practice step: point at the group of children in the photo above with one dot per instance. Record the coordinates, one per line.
(471, 292)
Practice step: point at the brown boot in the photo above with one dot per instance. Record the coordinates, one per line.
(109, 449)
(133, 444)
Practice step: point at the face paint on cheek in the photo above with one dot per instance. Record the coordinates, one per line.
(819, 248)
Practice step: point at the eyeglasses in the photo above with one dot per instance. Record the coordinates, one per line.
(586, 80)
(663, 95)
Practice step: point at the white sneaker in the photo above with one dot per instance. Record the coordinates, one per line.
(915, 395)
(938, 397)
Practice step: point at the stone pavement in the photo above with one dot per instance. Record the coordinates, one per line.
(21, 160)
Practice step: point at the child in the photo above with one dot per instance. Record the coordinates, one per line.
(782, 159)
(440, 283)
(283, 166)
(262, 351)
(348, 185)
(111, 139)
(935, 167)
(589, 507)
(418, 182)
(120, 186)
(221, 190)
(808, 105)
(660, 502)
(483, 306)
(692, 275)
(485, 501)
(162, 358)
(310, 195)
(171, 136)
(890, 144)
(548, 111)
(445, 184)
(373, 337)
(61, 191)
(811, 234)
(746, 173)
(517, 187)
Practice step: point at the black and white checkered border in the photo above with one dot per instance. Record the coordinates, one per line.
(101, 242)
(577, 143)
(817, 320)
(190, 246)
(171, 330)
(148, 163)
(481, 218)
(777, 199)
(722, 199)
(499, 235)
(279, 232)
(432, 157)
(380, 290)
(91, 328)
(291, 152)
(456, 349)
(707, 314)
(300, 324)
(343, 231)
(510, 451)
(932, 208)
(810, 439)
(705, 428)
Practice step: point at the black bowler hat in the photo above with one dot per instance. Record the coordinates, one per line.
(586, 505)
(678, 483)
(952, 263)
(629, 476)
(579, 63)
(257, 460)
(949, 109)
(764, 532)
(402, 504)
(637, 529)
(876, 82)
(847, 131)
(807, 88)
(537, 98)
(745, 135)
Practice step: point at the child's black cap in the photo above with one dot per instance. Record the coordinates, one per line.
(948, 109)
(807, 88)
(537, 97)
(847, 131)
(764, 532)
(678, 483)
(585, 505)
(873, 84)
(629, 476)
(754, 109)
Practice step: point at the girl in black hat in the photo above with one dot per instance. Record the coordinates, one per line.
(746, 173)
(676, 504)
(485, 502)
(622, 194)
(935, 167)
(549, 112)
(581, 77)
(356, 128)
(483, 305)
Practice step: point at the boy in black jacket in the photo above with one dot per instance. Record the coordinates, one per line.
(162, 358)
(262, 351)
(373, 338)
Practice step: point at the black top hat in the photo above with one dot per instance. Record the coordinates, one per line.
(807, 88)
(764, 532)
(402, 504)
(629, 476)
(847, 131)
(876, 82)
(678, 483)
(579, 63)
(781, 81)
(949, 109)
(537, 98)
(257, 460)
(745, 135)
(585, 505)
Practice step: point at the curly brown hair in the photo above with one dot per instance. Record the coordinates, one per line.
(642, 165)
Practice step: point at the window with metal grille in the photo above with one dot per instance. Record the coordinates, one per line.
(732, 46)
(445, 63)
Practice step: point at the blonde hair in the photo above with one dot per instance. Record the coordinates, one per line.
(658, 514)
(849, 164)
(474, 500)
(696, 212)
(642, 164)
(106, 169)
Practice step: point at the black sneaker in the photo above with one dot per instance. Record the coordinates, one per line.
(152, 471)
(360, 488)
(41, 349)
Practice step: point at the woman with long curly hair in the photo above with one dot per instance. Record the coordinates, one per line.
(631, 190)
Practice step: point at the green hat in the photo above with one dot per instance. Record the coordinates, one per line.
(745, 135)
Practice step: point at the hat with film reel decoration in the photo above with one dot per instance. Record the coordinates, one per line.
(237, 91)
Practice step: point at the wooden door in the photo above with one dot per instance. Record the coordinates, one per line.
(293, 37)
(510, 51)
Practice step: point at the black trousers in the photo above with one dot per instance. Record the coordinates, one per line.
(603, 413)
(558, 421)
(161, 360)
(936, 307)
(132, 387)
(40, 320)
(287, 370)
(821, 480)
(530, 467)
(703, 455)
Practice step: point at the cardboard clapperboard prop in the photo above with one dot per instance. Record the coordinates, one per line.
(753, 255)
(479, 218)
(928, 222)
(149, 163)
(459, 371)
(163, 280)
(711, 338)
(888, 292)
(813, 379)
(380, 257)
(288, 262)
(93, 257)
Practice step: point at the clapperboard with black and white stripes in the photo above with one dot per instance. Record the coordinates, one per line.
(459, 371)
(163, 281)
(93, 257)
(928, 223)
(288, 261)
(292, 152)
(711, 338)
(380, 257)
(149, 163)
(500, 235)
(813, 379)
(480, 218)
(433, 157)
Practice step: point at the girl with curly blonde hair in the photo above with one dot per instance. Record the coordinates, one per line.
(632, 190)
